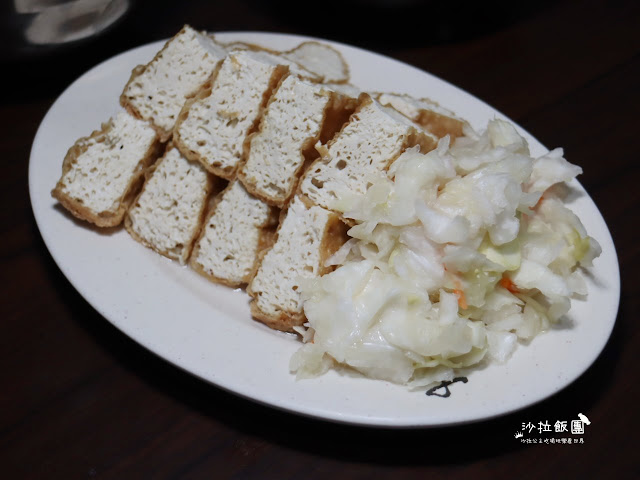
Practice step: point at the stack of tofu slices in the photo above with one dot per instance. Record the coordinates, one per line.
(229, 158)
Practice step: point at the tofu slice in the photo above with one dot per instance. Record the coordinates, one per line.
(168, 213)
(102, 173)
(372, 139)
(306, 237)
(237, 229)
(158, 90)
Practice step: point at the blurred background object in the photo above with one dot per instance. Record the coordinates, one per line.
(37, 27)
(67, 21)
(60, 39)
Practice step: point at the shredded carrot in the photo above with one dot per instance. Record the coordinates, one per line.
(507, 283)
(539, 202)
(459, 292)
(462, 300)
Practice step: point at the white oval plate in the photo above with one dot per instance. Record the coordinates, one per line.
(207, 330)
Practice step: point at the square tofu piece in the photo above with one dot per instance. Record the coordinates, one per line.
(168, 213)
(372, 139)
(306, 237)
(102, 173)
(157, 91)
(237, 229)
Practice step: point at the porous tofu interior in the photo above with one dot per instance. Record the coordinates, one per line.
(217, 125)
(374, 136)
(230, 240)
(168, 212)
(99, 177)
(291, 120)
(296, 254)
(178, 71)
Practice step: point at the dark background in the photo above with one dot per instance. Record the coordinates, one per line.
(384, 26)
(78, 399)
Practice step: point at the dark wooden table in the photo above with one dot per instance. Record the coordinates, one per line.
(81, 400)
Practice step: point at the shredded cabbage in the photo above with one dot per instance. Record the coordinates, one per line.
(456, 256)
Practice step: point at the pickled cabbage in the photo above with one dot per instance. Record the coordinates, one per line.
(456, 257)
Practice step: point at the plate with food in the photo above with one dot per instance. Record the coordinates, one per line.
(275, 216)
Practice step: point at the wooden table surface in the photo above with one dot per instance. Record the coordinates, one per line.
(81, 400)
